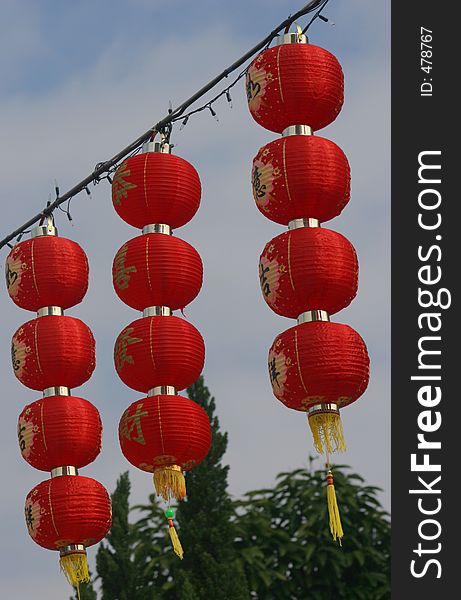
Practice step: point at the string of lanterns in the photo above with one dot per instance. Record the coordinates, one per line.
(160, 354)
(307, 273)
(60, 432)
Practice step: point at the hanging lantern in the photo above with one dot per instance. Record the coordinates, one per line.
(165, 435)
(294, 83)
(156, 187)
(306, 269)
(53, 351)
(300, 176)
(307, 273)
(157, 270)
(59, 430)
(319, 364)
(159, 350)
(46, 271)
(69, 513)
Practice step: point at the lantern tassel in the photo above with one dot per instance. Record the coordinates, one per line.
(336, 527)
(75, 568)
(175, 542)
(169, 514)
(169, 483)
(327, 431)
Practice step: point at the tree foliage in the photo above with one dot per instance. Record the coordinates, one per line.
(286, 548)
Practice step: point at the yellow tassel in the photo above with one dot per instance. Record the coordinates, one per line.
(175, 540)
(169, 483)
(335, 520)
(327, 431)
(75, 568)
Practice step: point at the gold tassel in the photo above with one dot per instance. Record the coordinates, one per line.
(327, 431)
(169, 483)
(169, 513)
(75, 568)
(335, 520)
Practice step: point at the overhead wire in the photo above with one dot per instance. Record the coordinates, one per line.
(103, 170)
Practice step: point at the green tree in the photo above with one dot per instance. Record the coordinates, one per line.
(286, 548)
(211, 568)
(124, 560)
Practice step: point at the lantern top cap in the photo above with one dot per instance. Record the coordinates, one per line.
(296, 37)
(46, 227)
(157, 146)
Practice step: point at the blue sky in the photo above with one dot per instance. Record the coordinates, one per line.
(82, 79)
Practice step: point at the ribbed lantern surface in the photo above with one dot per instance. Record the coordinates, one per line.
(68, 510)
(157, 270)
(156, 351)
(40, 432)
(164, 430)
(46, 271)
(318, 363)
(53, 351)
(308, 269)
(291, 84)
(298, 176)
(154, 187)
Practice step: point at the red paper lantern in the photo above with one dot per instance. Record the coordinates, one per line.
(46, 271)
(155, 351)
(293, 84)
(300, 176)
(166, 435)
(68, 510)
(318, 363)
(156, 187)
(309, 268)
(163, 430)
(59, 430)
(53, 351)
(157, 270)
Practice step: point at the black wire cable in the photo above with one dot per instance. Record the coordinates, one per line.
(104, 169)
(317, 14)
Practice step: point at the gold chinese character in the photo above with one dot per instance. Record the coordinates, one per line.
(133, 422)
(121, 348)
(120, 185)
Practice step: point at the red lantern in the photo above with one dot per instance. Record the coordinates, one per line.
(59, 430)
(165, 435)
(53, 351)
(155, 351)
(157, 270)
(318, 363)
(300, 176)
(156, 187)
(309, 268)
(68, 510)
(46, 271)
(294, 84)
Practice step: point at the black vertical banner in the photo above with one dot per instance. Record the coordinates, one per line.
(426, 325)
